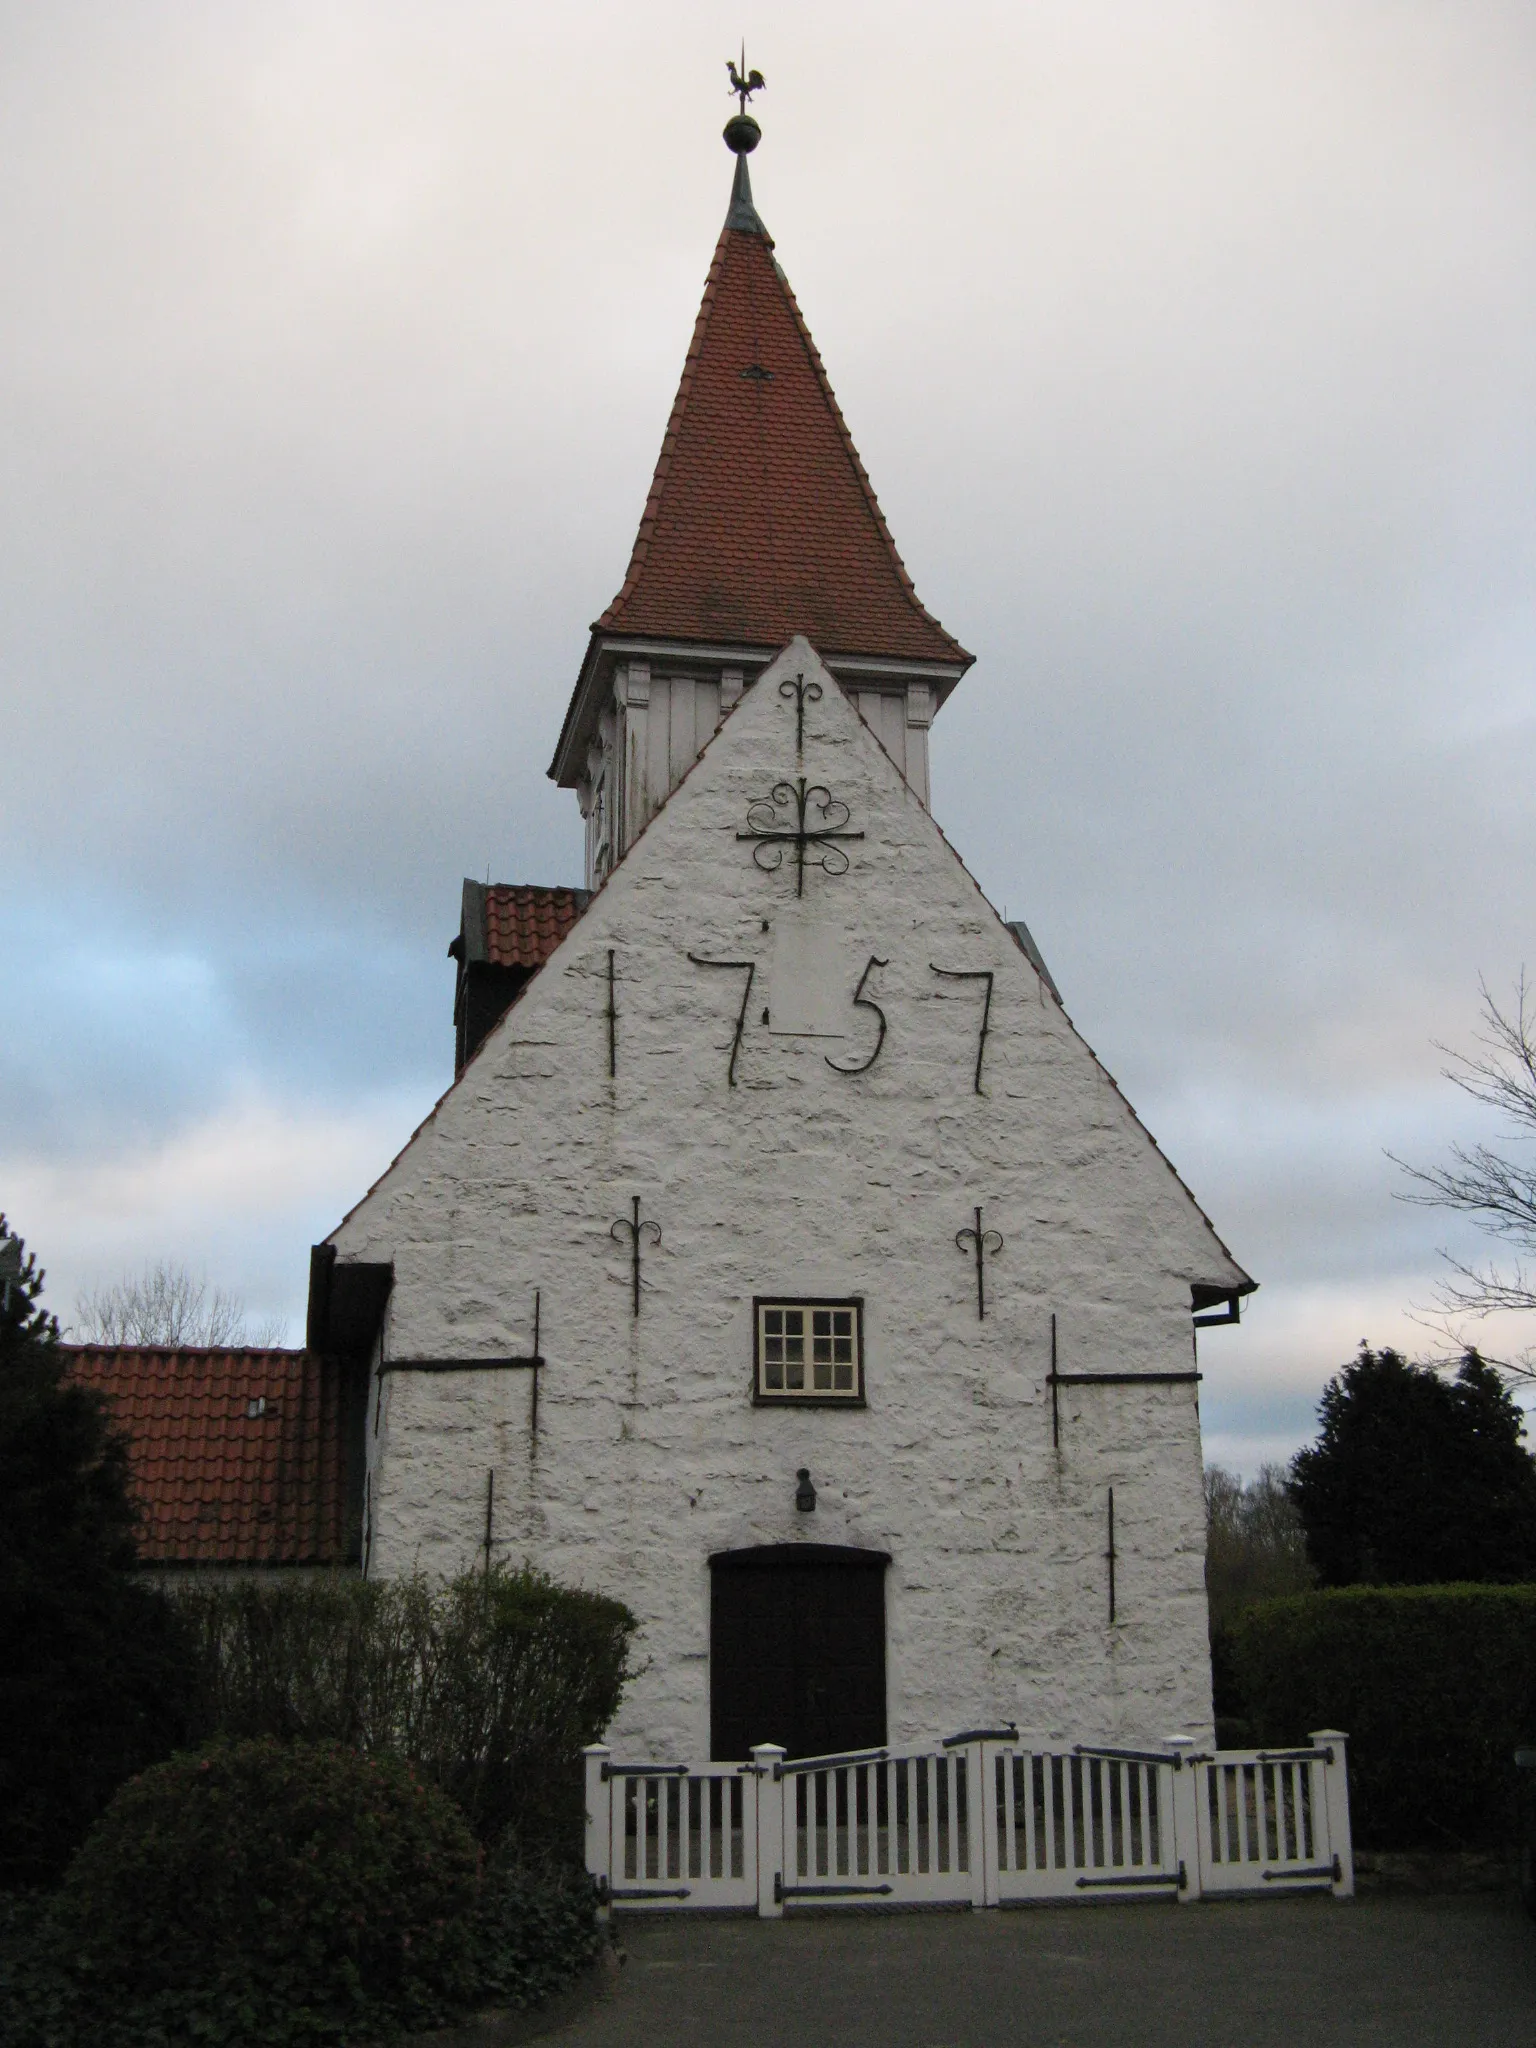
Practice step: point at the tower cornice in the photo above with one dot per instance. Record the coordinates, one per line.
(606, 651)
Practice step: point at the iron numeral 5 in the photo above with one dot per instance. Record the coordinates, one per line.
(864, 1002)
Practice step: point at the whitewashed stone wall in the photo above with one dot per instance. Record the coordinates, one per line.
(799, 1180)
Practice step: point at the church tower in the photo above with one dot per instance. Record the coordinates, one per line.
(761, 523)
(781, 1262)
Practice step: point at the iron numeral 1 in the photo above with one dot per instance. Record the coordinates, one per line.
(613, 1023)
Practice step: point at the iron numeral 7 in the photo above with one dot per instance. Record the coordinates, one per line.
(973, 974)
(741, 1015)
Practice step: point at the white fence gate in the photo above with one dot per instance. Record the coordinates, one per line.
(864, 1828)
(982, 1819)
(672, 1835)
(1083, 1821)
(1277, 1817)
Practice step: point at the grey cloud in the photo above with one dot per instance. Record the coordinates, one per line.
(1191, 354)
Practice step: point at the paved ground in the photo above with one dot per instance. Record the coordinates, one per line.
(1307, 1973)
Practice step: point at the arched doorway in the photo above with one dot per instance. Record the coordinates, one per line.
(797, 1649)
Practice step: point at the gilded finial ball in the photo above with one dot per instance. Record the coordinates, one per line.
(742, 134)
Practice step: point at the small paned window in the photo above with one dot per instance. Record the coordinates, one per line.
(810, 1351)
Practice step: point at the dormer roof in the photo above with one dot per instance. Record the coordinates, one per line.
(514, 924)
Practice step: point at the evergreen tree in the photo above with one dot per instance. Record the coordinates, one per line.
(90, 1674)
(64, 1502)
(1416, 1479)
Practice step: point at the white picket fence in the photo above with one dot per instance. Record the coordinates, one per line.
(981, 1819)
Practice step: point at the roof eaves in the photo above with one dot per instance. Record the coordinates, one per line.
(568, 767)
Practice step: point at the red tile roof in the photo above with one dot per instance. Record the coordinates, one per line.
(523, 924)
(236, 1457)
(761, 522)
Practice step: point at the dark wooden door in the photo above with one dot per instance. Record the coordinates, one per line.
(797, 1650)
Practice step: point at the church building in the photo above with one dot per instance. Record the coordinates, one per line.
(781, 1261)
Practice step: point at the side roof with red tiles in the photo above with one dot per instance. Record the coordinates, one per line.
(235, 1457)
(523, 924)
(761, 521)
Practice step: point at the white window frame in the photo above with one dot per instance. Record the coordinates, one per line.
(809, 1396)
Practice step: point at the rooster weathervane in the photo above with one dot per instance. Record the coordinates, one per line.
(744, 82)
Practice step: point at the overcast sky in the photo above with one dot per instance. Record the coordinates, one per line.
(1191, 350)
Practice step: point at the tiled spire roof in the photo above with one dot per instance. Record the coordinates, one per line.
(761, 522)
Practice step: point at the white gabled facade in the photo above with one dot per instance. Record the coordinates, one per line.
(666, 704)
(636, 1451)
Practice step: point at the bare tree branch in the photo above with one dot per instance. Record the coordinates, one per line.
(165, 1305)
(1498, 1191)
(1255, 1547)
(1455, 1343)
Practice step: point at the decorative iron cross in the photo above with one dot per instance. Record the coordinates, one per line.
(803, 693)
(637, 1231)
(773, 831)
(983, 1243)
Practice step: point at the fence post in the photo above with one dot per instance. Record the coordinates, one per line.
(1336, 1794)
(599, 1804)
(766, 1759)
(979, 1782)
(1186, 1817)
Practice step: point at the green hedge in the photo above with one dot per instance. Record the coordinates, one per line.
(1434, 1685)
(490, 1683)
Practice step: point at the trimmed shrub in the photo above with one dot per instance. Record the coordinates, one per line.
(39, 1996)
(1434, 1685)
(492, 1682)
(270, 1892)
(528, 1673)
(536, 1929)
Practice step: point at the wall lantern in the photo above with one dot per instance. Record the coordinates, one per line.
(805, 1493)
